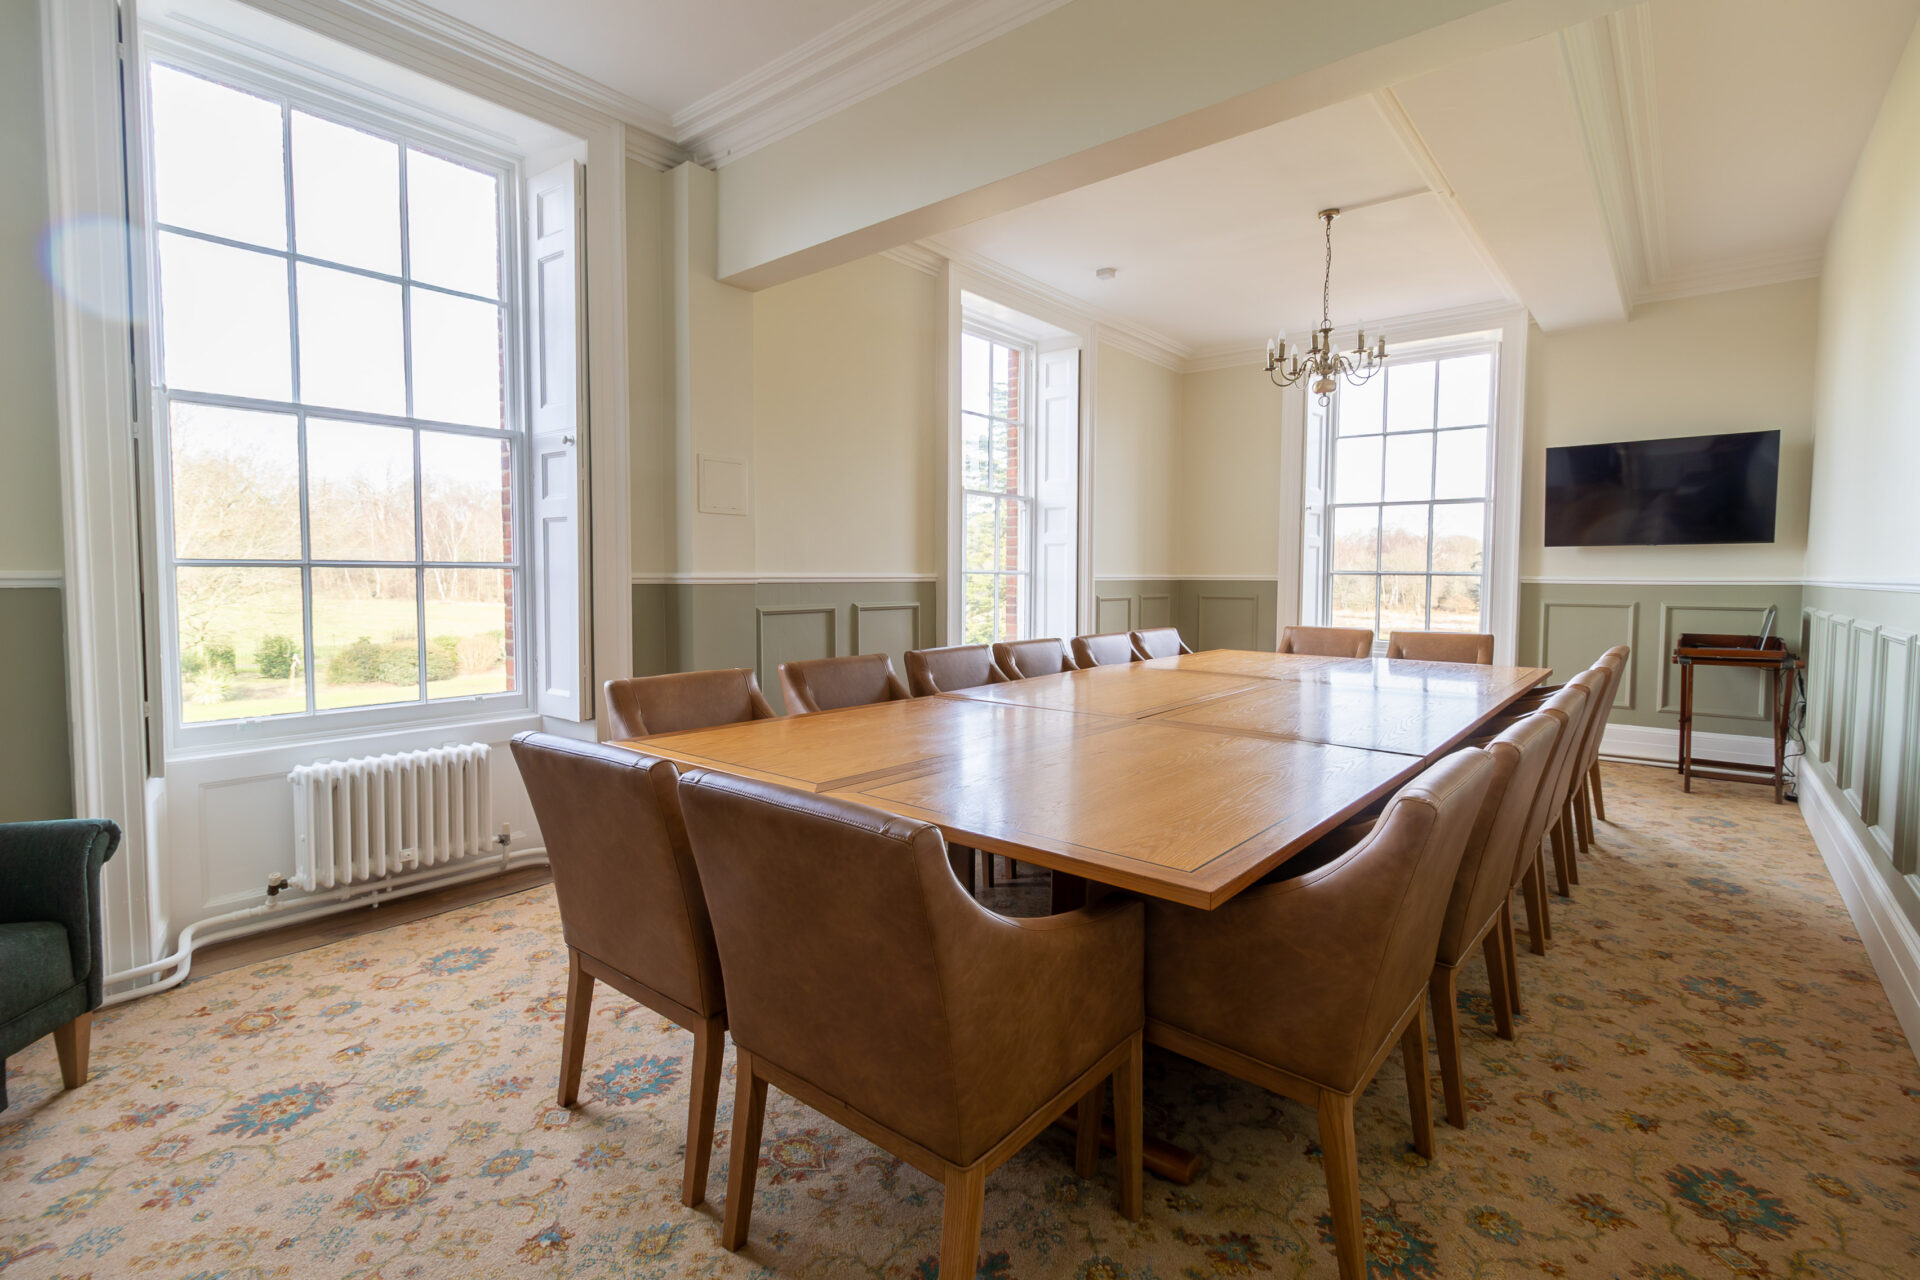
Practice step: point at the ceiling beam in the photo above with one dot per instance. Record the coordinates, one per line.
(1086, 91)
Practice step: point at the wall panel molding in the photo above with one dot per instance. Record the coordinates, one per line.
(1669, 685)
(764, 615)
(1623, 698)
(910, 607)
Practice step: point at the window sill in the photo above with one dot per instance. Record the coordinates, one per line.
(492, 724)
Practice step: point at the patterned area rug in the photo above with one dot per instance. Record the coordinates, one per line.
(1708, 1082)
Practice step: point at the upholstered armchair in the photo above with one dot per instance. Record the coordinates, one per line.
(52, 968)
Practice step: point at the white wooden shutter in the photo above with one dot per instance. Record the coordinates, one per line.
(1313, 503)
(1056, 491)
(557, 367)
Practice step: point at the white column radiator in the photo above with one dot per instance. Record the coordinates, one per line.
(378, 816)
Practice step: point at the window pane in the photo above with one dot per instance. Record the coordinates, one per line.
(1362, 407)
(1410, 396)
(976, 460)
(1409, 468)
(236, 484)
(1352, 600)
(359, 491)
(1466, 390)
(457, 359)
(453, 225)
(978, 608)
(976, 355)
(223, 323)
(1460, 465)
(1356, 538)
(1403, 538)
(366, 632)
(1005, 394)
(466, 498)
(346, 195)
(978, 549)
(217, 160)
(469, 632)
(1403, 603)
(240, 646)
(1012, 544)
(1456, 604)
(351, 355)
(1356, 470)
(1459, 531)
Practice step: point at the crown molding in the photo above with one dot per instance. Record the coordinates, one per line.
(868, 53)
(916, 256)
(1750, 274)
(1234, 357)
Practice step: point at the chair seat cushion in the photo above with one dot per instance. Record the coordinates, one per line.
(38, 965)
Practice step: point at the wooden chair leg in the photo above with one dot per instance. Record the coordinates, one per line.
(1443, 991)
(1493, 948)
(709, 1047)
(960, 1227)
(73, 1042)
(573, 1033)
(1508, 945)
(1584, 810)
(1086, 1132)
(1562, 857)
(1129, 1131)
(743, 1157)
(1413, 1049)
(1599, 792)
(1539, 919)
(1570, 822)
(1340, 1155)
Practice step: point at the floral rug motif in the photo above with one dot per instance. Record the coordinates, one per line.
(1708, 1082)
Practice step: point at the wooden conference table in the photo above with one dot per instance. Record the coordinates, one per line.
(1183, 778)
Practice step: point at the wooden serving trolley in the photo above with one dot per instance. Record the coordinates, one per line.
(1768, 654)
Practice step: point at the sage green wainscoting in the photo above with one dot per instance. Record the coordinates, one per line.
(36, 778)
(1566, 625)
(1211, 614)
(1863, 722)
(695, 626)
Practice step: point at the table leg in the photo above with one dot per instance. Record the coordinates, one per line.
(1686, 726)
(1782, 707)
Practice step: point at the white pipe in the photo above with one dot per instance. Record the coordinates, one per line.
(329, 903)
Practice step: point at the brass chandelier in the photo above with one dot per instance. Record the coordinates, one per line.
(1287, 365)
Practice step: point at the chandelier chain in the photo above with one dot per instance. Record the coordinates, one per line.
(1326, 280)
(1320, 365)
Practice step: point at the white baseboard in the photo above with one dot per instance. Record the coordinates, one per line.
(1645, 744)
(1892, 942)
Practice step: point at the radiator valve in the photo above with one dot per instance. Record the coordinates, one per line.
(275, 884)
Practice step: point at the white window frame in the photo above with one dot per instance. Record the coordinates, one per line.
(975, 326)
(183, 738)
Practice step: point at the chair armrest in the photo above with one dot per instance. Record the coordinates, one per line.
(51, 871)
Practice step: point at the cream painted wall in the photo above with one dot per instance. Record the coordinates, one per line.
(1868, 402)
(29, 426)
(1233, 459)
(652, 452)
(846, 445)
(1737, 361)
(1136, 409)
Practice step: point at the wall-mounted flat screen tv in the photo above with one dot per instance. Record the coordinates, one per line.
(1689, 489)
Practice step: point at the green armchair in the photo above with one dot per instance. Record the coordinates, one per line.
(51, 965)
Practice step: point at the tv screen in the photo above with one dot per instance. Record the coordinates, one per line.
(1659, 492)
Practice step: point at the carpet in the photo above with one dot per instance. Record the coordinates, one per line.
(1708, 1082)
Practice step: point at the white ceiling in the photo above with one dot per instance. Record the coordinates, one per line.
(1674, 147)
(667, 54)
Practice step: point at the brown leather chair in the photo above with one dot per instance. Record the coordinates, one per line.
(646, 705)
(1158, 642)
(1560, 822)
(823, 684)
(864, 983)
(1304, 986)
(1441, 646)
(1592, 804)
(1025, 659)
(631, 909)
(1108, 649)
(1327, 642)
(957, 666)
(1479, 913)
(1565, 708)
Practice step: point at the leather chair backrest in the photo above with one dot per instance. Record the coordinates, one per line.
(822, 684)
(1441, 646)
(1327, 642)
(1108, 649)
(628, 890)
(646, 705)
(1614, 663)
(1599, 681)
(849, 947)
(1025, 659)
(957, 666)
(1519, 757)
(1593, 684)
(1159, 642)
(1567, 710)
